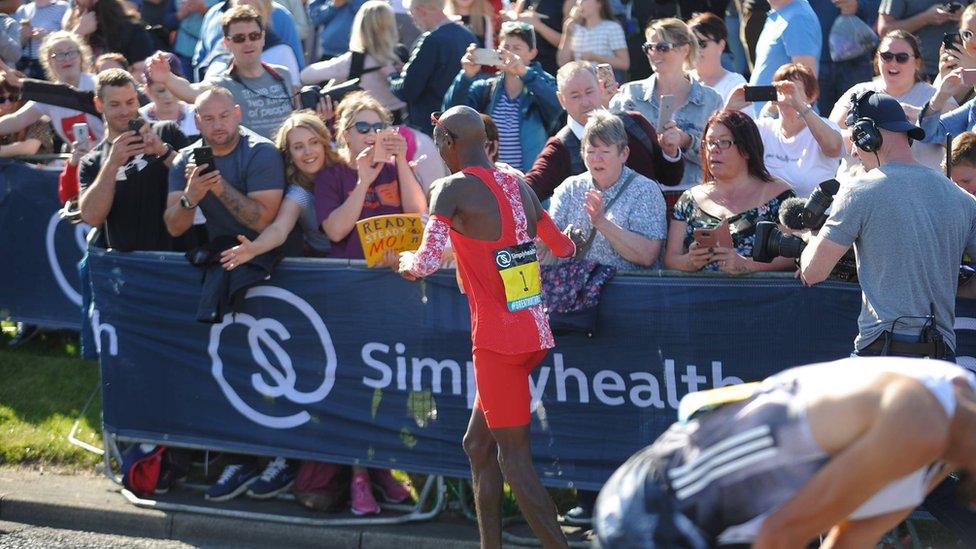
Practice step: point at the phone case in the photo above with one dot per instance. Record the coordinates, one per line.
(665, 111)
(484, 56)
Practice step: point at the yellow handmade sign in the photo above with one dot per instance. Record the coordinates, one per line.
(396, 232)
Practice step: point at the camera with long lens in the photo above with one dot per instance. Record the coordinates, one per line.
(798, 215)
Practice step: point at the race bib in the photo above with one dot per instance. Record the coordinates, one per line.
(519, 269)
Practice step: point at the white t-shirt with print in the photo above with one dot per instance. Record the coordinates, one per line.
(797, 160)
(63, 119)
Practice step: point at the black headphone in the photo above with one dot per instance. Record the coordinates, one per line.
(864, 132)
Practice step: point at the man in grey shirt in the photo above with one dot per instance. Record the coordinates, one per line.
(264, 92)
(909, 226)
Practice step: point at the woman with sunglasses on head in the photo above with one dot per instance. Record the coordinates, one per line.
(711, 34)
(738, 192)
(672, 50)
(899, 65)
(357, 188)
(592, 33)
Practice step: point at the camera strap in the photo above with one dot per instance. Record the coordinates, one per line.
(606, 208)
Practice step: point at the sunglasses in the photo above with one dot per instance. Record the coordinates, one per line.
(901, 57)
(70, 54)
(660, 47)
(703, 42)
(435, 119)
(252, 36)
(365, 127)
(10, 98)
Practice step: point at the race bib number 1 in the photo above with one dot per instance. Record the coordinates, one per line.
(519, 269)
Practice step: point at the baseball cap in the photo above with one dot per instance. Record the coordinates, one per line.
(885, 111)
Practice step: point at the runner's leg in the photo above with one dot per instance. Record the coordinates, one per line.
(486, 479)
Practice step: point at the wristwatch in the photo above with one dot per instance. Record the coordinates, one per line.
(185, 203)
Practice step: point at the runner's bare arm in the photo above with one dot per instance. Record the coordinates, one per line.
(864, 532)
(427, 259)
(910, 419)
(546, 229)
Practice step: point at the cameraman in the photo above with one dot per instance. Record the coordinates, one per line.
(909, 226)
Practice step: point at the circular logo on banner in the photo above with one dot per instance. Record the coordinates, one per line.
(273, 382)
(54, 260)
(503, 258)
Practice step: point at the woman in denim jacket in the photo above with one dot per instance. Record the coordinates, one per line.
(672, 48)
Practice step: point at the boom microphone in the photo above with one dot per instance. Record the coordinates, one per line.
(791, 213)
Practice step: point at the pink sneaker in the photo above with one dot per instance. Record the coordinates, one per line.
(363, 502)
(392, 490)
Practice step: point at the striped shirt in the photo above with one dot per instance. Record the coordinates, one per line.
(602, 39)
(507, 116)
(47, 17)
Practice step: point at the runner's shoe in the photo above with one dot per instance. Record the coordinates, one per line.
(233, 481)
(363, 502)
(278, 477)
(392, 490)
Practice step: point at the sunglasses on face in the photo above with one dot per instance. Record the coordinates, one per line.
(10, 98)
(660, 47)
(252, 36)
(365, 127)
(70, 54)
(901, 57)
(702, 42)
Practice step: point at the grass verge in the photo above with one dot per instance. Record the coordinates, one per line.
(43, 388)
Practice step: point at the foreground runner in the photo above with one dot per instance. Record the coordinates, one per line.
(849, 447)
(492, 218)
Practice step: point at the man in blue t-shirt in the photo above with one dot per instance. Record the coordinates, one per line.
(791, 35)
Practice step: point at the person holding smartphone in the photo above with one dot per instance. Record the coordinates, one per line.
(357, 186)
(123, 180)
(929, 20)
(738, 191)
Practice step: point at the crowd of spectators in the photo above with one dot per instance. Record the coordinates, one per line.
(628, 117)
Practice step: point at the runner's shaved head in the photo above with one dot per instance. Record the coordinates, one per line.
(466, 126)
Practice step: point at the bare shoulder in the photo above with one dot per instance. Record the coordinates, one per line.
(776, 187)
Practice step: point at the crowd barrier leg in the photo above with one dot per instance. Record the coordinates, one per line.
(74, 428)
(507, 537)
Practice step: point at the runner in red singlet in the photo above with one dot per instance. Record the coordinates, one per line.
(492, 219)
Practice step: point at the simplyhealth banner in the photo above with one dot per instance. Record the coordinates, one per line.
(337, 363)
(39, 250)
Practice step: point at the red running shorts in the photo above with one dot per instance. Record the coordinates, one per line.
(502, 383)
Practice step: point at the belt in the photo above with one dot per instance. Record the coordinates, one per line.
(929, 349)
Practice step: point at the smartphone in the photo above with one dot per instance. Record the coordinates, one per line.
(760, 93)
(665, 113)
(204, 155)
(380, 152)
(719, 236)
(969, 77)
(80, 134)
(487, 57)
(604, 71)
(951, 41)
(136, 124)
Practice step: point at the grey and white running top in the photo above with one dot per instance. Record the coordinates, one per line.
(723, 472)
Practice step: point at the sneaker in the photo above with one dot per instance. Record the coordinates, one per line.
(363, 502)
(392, 490)
(169, 478)
(578, 516)
(277, 477)
(233, 481)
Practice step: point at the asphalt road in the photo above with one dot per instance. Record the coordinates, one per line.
(24, 536)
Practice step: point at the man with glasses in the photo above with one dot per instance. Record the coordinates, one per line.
(264, 92)
(492, 219)
(521, 99)
(434, 61)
